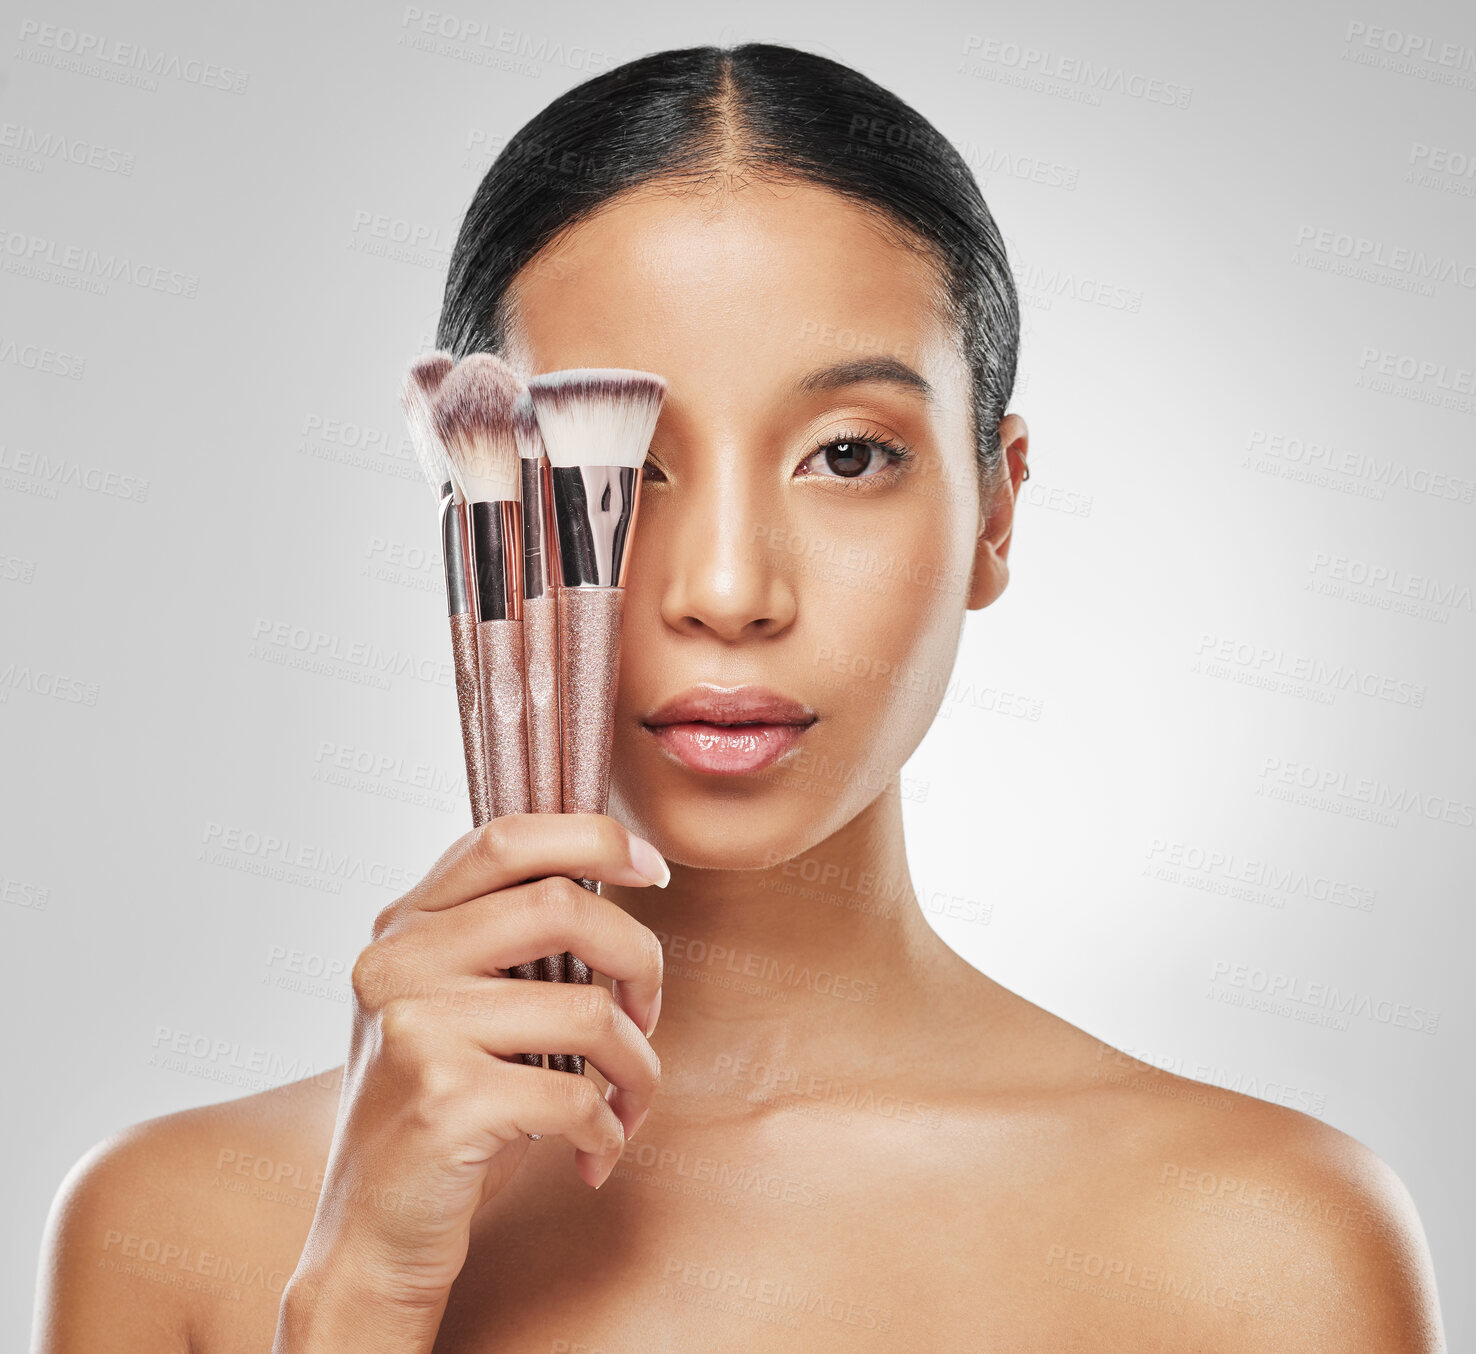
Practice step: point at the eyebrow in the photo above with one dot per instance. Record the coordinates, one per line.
(864, 369)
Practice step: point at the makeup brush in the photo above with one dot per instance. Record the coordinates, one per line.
(473, 410)
(540, 640)
(597, 426)
(424, 379)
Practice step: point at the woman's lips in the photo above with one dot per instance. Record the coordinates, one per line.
(729, 731)
(730, 749)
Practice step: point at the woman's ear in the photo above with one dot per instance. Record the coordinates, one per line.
(997, 511)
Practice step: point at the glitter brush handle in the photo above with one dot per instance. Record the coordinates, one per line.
(500, 658)
(469, 706)
(500, 654)
(545, 776)
(540, 665)
(589, 663)
(496, 534)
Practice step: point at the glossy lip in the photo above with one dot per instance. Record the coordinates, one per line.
(728, 731)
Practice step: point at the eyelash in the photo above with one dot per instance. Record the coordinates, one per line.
(894, 452)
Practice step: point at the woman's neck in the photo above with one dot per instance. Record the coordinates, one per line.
(798, 959)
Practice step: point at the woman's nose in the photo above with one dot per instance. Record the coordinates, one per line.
(721, 578)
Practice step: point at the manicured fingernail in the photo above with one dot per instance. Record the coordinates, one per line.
(638, 1124)
(648, 863)
(655, 1013)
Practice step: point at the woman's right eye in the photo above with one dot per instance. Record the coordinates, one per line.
(651, 471)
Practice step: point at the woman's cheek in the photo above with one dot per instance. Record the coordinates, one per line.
(915, 620)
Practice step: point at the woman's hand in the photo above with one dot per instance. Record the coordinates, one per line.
(435, 1107)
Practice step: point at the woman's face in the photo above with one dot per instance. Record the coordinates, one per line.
(809, 511)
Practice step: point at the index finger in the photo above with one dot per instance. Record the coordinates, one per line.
(522, 846)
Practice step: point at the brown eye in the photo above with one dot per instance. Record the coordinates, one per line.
(848, 458)
(853, 458)
(651, 471)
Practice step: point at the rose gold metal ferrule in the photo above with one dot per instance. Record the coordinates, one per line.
(540, 561)
(498, 553)
(456, 555)
(594, 508)
(497, 558)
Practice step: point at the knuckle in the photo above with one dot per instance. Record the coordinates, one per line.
(554, 901)
(594, 1009)
(402, 1024)
(386, 919)
(382, 977)
(491, 844)
(369, 978)
(438, 1090)
(533, 907)
(549, 896)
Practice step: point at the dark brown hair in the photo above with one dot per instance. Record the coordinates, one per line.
(759, 111)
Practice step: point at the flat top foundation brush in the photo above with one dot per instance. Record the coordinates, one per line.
(597, 425)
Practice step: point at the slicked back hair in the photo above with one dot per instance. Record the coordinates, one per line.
(701, 115)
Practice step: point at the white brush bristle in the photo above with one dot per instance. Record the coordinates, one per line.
(597, 416)
(525, 428)
(421, 383)
(474, 418)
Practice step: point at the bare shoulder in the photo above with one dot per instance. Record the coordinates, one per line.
(185, 1221)
(1259, 1226)
(1312, 1217)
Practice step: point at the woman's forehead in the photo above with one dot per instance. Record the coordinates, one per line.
(775, 276)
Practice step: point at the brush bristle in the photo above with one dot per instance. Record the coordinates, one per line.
(474, 418)
(597, 416)
(421, 383)
(525, 428)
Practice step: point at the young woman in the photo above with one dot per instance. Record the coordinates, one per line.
(822, 1128)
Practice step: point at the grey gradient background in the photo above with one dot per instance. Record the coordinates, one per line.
(1252, 476)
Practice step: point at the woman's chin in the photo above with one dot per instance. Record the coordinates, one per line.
(747, 856)
(752, 836)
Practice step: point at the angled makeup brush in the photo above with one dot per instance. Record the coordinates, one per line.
(473, 411)
(540, 640)
(424, 379)
(597, 425)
